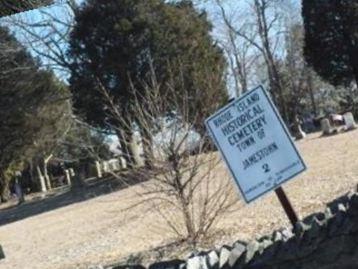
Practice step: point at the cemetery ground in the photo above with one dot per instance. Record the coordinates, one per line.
(75, 231)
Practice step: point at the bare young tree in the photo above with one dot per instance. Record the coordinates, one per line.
(181, 185)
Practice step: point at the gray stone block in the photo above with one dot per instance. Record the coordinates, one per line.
(277, 236)
(197, 262)
(300, 228)
(328, 214)
(251, 250)
(224, 256)
(287, 234)
(213, 260)
(236, 253)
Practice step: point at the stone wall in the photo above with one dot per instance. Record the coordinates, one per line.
(327, 240)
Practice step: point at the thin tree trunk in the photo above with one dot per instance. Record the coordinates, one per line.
(4, 188)
(349, 37)
(147, 148)
(45, 174)
(79, 177)
(182, 199)
(124, 139)
(34, 186)
(42, 179)
(310, 88)
(275, 80)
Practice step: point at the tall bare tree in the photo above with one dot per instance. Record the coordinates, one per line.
(239, 51)
(265, 26)
(46, 34)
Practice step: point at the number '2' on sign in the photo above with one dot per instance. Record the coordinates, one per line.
(255, 144)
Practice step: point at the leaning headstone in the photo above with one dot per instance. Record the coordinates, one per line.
(2, 254)
(349, 121)
(224, 256)
(123, 162)
(98, 169)
(326, 127)
(72, 172)
(105, 166)
(68, 177)
(300, 133)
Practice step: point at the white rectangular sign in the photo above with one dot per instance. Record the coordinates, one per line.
(255, 144)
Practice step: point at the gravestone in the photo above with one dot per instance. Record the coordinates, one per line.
(113, 165)
(137, 150)
(98, 169)
(123, 162)
(68, 177)
(326, 127)
(349, 121)
(105, 166)
(300, 133)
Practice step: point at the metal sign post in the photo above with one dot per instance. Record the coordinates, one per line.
(256, 146)
(287, 206)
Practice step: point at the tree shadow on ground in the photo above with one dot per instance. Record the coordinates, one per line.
(67, 196)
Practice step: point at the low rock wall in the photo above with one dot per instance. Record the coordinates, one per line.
(326, 240)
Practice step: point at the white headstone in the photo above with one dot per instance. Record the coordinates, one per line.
(349, 121)
(326, 127)
(105, 166)
(68, 177)
(300, 133)
(98, 169)
(123, 162)
(113, 165)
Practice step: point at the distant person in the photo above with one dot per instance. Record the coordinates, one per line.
(18, 189)
(2, 254)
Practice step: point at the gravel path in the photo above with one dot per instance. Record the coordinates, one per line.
(97, 231)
